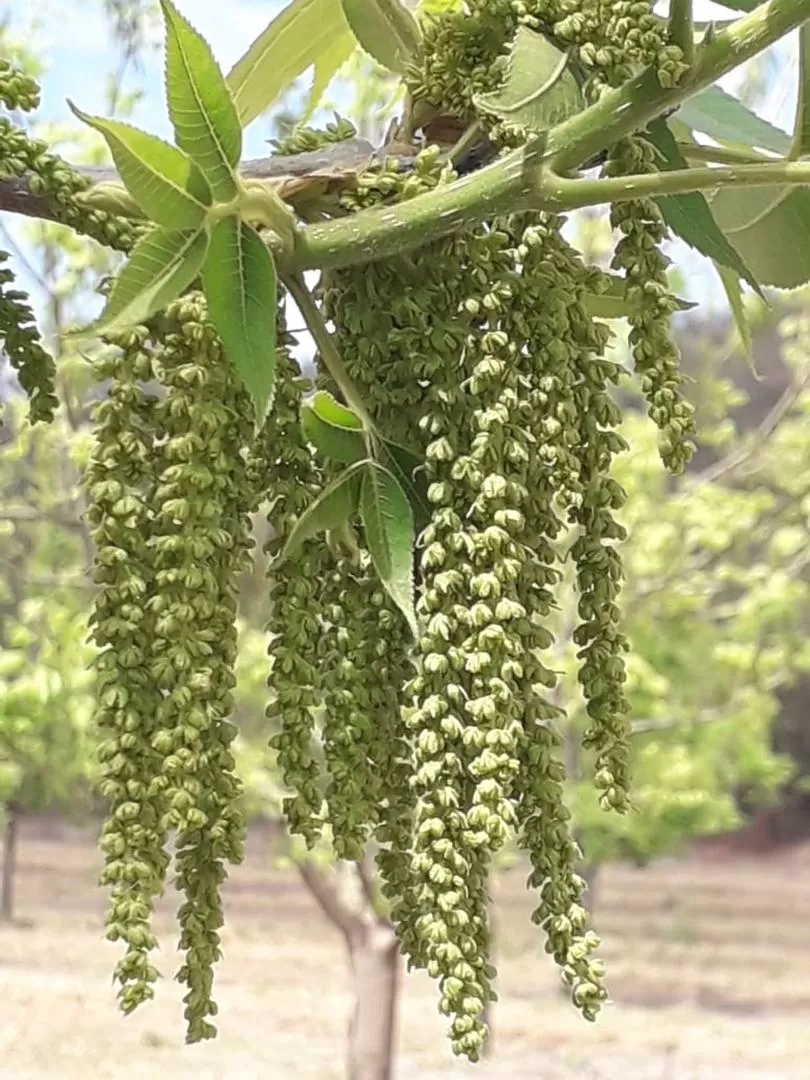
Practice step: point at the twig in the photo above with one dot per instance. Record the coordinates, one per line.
(328, 898)
(759, 437)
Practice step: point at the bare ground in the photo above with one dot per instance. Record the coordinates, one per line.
(708, 961)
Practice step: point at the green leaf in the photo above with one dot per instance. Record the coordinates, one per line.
(201, 108)
(731, 283)
(325, 68)
(540, 89)
(390, 536)
(338, 443)
(161, 265)
(386, 30)
(612, 302)
(335, 506)
(689, 215)
(725, 119)
(801, 127)
(166, 183)
(409, 469)
(330, 409)
(241, 288)
(306, 32)
(771, 230)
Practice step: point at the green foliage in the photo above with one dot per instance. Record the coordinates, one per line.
(386, 30)
(445, 505)
(305, 32)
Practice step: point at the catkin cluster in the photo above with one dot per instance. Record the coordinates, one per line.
(478, 355)
(170, 489)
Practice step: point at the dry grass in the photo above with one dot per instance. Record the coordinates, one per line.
(708, 962)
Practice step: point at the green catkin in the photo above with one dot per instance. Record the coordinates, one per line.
(292, 479)
(304, 139)
(599, 572)
(34, 365)
(461, 55)
(120, 485)
(550, 370)
(366, 646)
(201, 499)
(48, 176)
(17, 89)
(638, 253)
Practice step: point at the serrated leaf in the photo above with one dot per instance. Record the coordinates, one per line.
(386, 30)
(731, 284)
(335, 506)
(338, 443)
(164, 181)
(241, 289)
(326, 67)
(330, 409)
(390, 536)
(306, 32)
(540, 89)
(409, 470)
(161, 265)
(723, 117)
(771, 230)
(206, 124)
(689, 215)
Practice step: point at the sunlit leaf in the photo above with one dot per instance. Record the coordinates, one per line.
(161, 265)
(304, 33)
(166, 183)
(390, 536)
(386, 30)
(241, 289)
(338, 443)
(326, 67)
(330, 409)
(539, 90)
(201, 108)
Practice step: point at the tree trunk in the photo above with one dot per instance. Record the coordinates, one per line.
(9, 864)
(375, 970)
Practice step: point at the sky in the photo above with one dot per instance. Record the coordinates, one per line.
(75, 42)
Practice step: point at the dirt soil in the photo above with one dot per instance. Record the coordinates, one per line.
(708, 957)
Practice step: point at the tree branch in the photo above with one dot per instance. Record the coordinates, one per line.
(575, 193)
(329, 900)
(528, 178)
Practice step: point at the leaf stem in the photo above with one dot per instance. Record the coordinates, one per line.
(681, 29)
(577, 193)
(725, 155)
(332, 360)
